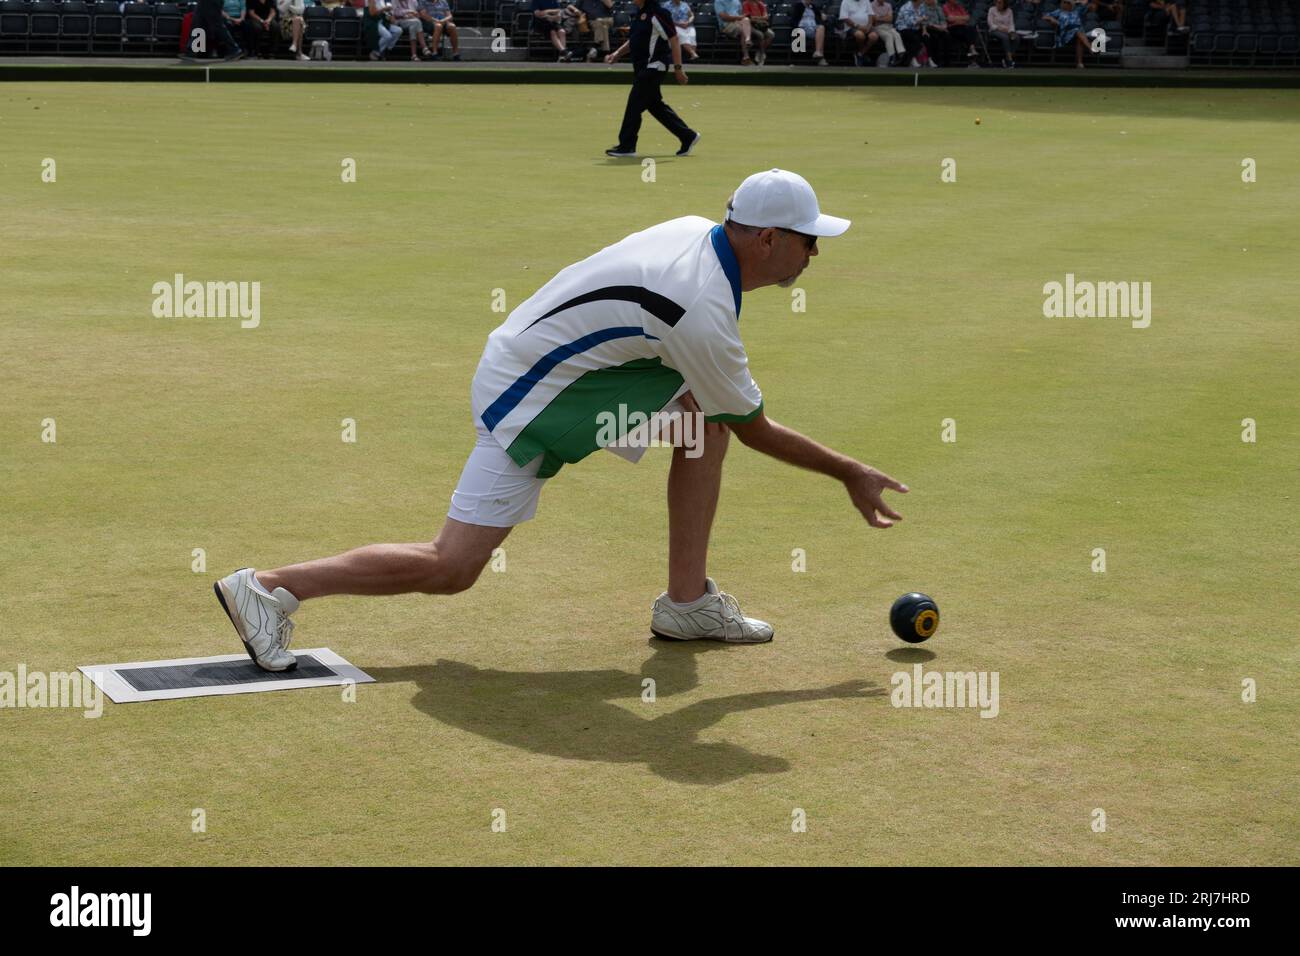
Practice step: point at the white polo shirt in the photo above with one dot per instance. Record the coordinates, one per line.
(856, 11)
(636, 324)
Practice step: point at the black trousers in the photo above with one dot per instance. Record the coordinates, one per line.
(912, 43)
(208, 18)
(963, 37)
(645, 96)
(258, 41)
(939, 45)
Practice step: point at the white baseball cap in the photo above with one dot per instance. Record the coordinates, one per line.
(780, 198)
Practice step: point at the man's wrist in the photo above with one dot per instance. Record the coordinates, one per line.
(848, 469)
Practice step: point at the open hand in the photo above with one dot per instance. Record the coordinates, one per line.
(866, 488)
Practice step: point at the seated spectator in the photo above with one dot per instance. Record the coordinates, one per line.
(732, 23)
(1002, 31)
(1155, 17)
(1177, 10)
(292, 25)
(756, 12)
(960, 30)
(1170, 13)
(908, 22)
(406, 17)
(263, 31)
(234, 18)
(597, 16)
(547, 17)
(855, 28)
(437, 19)
(378, 30)
(807, 16)
(684, 20)
(1107, 9)
(570, 19)
(882, 23)
(934, 28)
(1069, 30)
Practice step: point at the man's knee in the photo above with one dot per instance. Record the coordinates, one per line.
(446, 572)
(709, 444)
(461, 579)
(449, 580)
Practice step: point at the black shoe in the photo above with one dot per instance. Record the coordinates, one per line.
(232, 57)
(688, 147)
(618, 152)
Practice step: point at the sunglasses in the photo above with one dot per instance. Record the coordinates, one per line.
(808, 241)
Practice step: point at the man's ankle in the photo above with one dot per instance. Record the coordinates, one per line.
(681, 600)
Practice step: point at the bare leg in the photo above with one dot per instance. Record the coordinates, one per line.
(693, 487)
(449, 564)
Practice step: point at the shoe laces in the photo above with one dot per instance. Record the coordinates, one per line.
(731, 603)
(284, 631)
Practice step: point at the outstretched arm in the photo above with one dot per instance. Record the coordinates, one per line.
(864, 484)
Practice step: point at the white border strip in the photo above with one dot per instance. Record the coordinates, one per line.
(108, 679)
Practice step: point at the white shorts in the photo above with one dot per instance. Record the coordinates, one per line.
(496, 492)
(493, 490)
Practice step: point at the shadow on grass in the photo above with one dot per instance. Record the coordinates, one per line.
(910, 655)
(615, 161)
(570, 714)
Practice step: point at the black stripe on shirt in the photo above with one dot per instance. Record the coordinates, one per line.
(660, 306)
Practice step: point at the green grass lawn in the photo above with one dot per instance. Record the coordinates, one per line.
(1118, 690)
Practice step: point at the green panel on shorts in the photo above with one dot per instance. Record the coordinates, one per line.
(566, 429)
(723, 417)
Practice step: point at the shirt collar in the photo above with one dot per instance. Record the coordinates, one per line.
(727, 256)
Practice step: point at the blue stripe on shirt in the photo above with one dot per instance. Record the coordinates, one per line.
(727, 256)
(509, 400)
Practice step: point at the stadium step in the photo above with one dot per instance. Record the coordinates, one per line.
(1151, 58)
